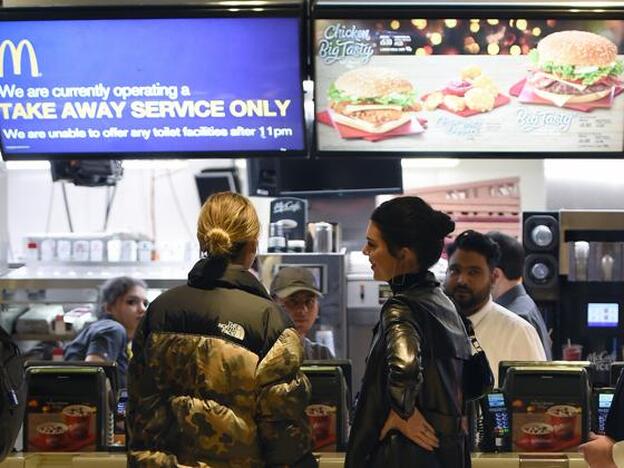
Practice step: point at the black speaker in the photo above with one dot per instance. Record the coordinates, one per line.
(540, 238)
(263, 177)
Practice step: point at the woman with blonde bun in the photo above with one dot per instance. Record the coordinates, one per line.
(215, 378)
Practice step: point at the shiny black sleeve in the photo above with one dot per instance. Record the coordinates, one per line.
(403, 356)
(615, 419)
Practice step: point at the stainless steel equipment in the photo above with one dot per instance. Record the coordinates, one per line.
(364, 299)
(578, 278)
(323, 241)
(329, 271)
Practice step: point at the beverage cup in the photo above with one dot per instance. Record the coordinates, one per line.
(538, 434)
(563, 420)
(52, 434)
(78, 420)
(320, 417)
(572, 352)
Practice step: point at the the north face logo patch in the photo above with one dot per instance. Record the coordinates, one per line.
(232, 329)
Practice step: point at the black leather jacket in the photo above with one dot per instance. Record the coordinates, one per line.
(415, 360)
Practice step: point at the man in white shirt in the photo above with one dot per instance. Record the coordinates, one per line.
(503, 335)
(508, 290)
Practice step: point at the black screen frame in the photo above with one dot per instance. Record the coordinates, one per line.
(260, 188)
(275, 9)
(401, 9)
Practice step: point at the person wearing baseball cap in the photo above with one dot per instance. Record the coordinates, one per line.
(295, 290)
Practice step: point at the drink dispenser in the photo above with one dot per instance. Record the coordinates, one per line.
(591, 296)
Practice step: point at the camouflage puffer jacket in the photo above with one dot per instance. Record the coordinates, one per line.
(215, 381)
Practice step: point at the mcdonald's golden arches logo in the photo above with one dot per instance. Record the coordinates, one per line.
(16, 53)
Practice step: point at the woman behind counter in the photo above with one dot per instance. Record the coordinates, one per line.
(121, 306)
(215, 379)
(415, 364)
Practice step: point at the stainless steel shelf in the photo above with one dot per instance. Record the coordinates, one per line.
(79, 276)
(43, 337)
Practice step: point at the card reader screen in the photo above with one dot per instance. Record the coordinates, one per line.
(604, 400)
(496, 400)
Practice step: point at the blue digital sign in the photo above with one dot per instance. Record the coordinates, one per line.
(142, 86)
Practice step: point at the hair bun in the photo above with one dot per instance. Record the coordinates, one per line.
(444, 225)
(218, 242)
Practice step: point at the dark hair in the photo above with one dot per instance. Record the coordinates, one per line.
(474, 241)
(113, 289)
(511, 259)
(410, 222)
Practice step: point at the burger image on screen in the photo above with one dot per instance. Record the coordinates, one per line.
(574, 66)
(372, 99)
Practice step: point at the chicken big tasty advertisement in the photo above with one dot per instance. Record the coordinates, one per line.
(469, 85)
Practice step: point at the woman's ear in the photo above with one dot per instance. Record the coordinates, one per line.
(250, 249)
(109, 309)
(408, 258)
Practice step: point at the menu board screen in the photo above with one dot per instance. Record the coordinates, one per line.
(464, 86)
(150, 86)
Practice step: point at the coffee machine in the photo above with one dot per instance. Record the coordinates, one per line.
(574, 270)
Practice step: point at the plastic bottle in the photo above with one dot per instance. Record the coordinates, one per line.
(59, 325)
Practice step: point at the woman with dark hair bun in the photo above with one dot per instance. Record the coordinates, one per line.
(411, 404)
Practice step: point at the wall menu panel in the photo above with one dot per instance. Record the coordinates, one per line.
(538, 87)
(89, 87)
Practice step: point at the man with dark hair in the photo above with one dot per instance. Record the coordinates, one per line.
(508, 290)
(502, 334)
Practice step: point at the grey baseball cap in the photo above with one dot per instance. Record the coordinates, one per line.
(290, 280)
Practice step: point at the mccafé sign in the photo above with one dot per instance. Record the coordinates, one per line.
(16, 53)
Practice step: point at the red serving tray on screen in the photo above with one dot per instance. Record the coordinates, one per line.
(413, 127)
(524, 93)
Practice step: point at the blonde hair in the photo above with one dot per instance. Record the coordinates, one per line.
(226, 222)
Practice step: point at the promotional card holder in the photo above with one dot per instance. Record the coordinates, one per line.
(75, 416)
(327, 411)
